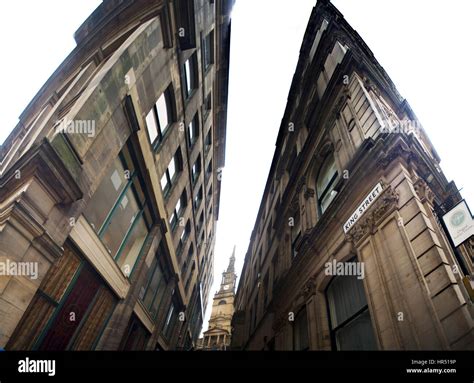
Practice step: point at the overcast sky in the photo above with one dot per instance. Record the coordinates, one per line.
(425, 49)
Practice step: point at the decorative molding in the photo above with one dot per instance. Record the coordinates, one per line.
(423, 191)
(368, 224)
(301, 184)
(309, 193)
(399, 150)
(309, 288)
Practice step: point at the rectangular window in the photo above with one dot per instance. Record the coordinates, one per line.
(208, 142)
(207, 107)
(200, 222)
(119, 213)
(170, 321)
(269, 234)
(350, 323)
(184, 235)
(136, 336)
(196, 170)
(168, 178)
(153, 291)
(193, 130)
(198, 199)
(189, 73)
(178, 210)
(295, 234)
(209, 168)
(300, 331)
(160, 117)
(208, 50)
(190, 277)
(185, 23)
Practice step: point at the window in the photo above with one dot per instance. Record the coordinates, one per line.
(208, 143)
(189, 76)
(300, 331)
(174, 167)
(326, 182)
(190, 277)
(266, 287)
(119, 213)
(269, 235)
(136, 336)
(153, 291)
(198, 199)
(196, 170)
(193, 130)
(170, 321)
(295, 234)
(184, 235)
(201, 221)
(178, 210)
(207, 105)
(160, 117)
(255, 309)
(350, 323)
(208, 50)
(185, 23)
(184, 268)
(222, 302)
(209, 168)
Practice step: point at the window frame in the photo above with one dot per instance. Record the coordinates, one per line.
(351, 318)
(144, 210)
(330, 187)
(192, 131)
(170, 111)
(190, 64)
(178, 168)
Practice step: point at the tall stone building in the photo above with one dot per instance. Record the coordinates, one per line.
(349, 251)
(111, 182)
(218, 335)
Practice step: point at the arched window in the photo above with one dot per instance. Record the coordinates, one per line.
(222, 303)
(325, 183)
(350, 323)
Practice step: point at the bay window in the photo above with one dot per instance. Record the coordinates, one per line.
(119, 212)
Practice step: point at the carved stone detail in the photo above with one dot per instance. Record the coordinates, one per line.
(368, 224)
(423, 191)
(309, 193)
(309, 288)
(401, 150)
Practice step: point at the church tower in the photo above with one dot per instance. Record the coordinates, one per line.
(217, 337)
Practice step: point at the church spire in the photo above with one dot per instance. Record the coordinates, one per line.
(230, 268)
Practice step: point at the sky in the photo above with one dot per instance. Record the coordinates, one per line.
(425, 49)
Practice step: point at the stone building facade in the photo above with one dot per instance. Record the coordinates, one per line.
(219, 332)
(348, 251)
(111, 182)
